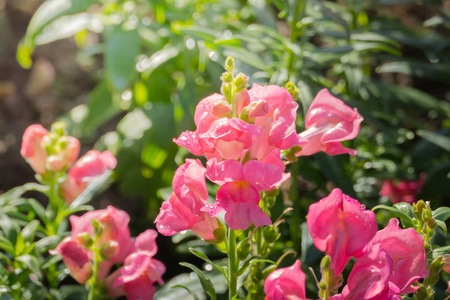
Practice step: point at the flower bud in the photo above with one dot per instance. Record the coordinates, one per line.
(97, 227)
(58, 128)
(426, 215)
(226, 91)
(325, 263)
(292, 89)
(219, 234)
(243, 249)
(85, 239)
(221, 108)
(229, 64)
(270, 234)
(241, 82)
(109, 249)
(227, 77)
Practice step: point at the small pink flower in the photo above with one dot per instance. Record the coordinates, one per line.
(341, 227)
(140, 270)
(33, 148)
(286, 283)
(239, 195)
(183, 209)
(402, 191)
(89, 166)
(405, 246)
(329, 122)
(76, 257)
(115, 233)
(369, 278)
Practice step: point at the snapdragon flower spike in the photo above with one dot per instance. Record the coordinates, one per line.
(328, 122)
(402, 191)
(286, 283)
(239, 194)
(370, 277)
(341, 227)
(139, 272)
(405, 246)
(89, 166)
(183, 209)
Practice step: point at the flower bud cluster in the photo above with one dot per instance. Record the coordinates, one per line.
(104, 234)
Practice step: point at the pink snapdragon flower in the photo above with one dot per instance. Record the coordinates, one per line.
(218, 134)
(341, 227)
(286, 283)
(405, 246)
(183, 209)
(114, 241)
(239, 195)
(370, 277)
(402, 191)
(59, 156)
(33, 148)
(139, 272)
(277, 121)
(89, 166)
(328, 122)
(76, 257)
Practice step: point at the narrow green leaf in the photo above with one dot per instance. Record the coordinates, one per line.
(6, 245)
(203, 256)
(435, 138)
(29, 231)
(205, 281)
(405, 218)
(188, 290)
(31, 263)
(442, 213)
(38, 209)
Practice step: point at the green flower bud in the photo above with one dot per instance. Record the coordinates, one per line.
(270, 234)
(325, 263)
(426, 215)
(219, 234)
(226, 91)
(59, 128)
(85, 239)
(241, 82)
(292, 89)
(109, 249)
(226, 77)
(229, 64)
(97, 227)
(243, 249)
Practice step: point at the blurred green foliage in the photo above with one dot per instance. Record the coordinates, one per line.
(388, 58)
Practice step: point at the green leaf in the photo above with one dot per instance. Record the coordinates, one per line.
(205, 281)
(48, 12)
(6, 245)
(188, 290)
(251, 260)
(203, 256)
(29, 231)
(442, 213)
(38, 209)
(31, 263)
(404, 217)
(442, 225)
(120, 52)
(435, 138)
(99, 183)
(437, 72)
(18, 191)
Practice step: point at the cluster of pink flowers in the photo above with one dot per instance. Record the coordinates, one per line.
(388, 261)
(242, 141)
(402, 191)
(55, 152)
(140, 270)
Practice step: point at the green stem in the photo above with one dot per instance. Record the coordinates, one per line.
(232, 264)
(93, 281)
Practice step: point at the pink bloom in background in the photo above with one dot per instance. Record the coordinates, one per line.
(405, 246)
(65, 157)
(89, 166)
(183, 209)
(239, 195)
(341, 227)
(33, 148)
(76, 257)
(402, 191)
(34, 142)
(286, 283)
(139, 272)
(369, 278)
(329, 122)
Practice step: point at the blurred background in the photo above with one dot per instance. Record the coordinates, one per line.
(127, 75)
